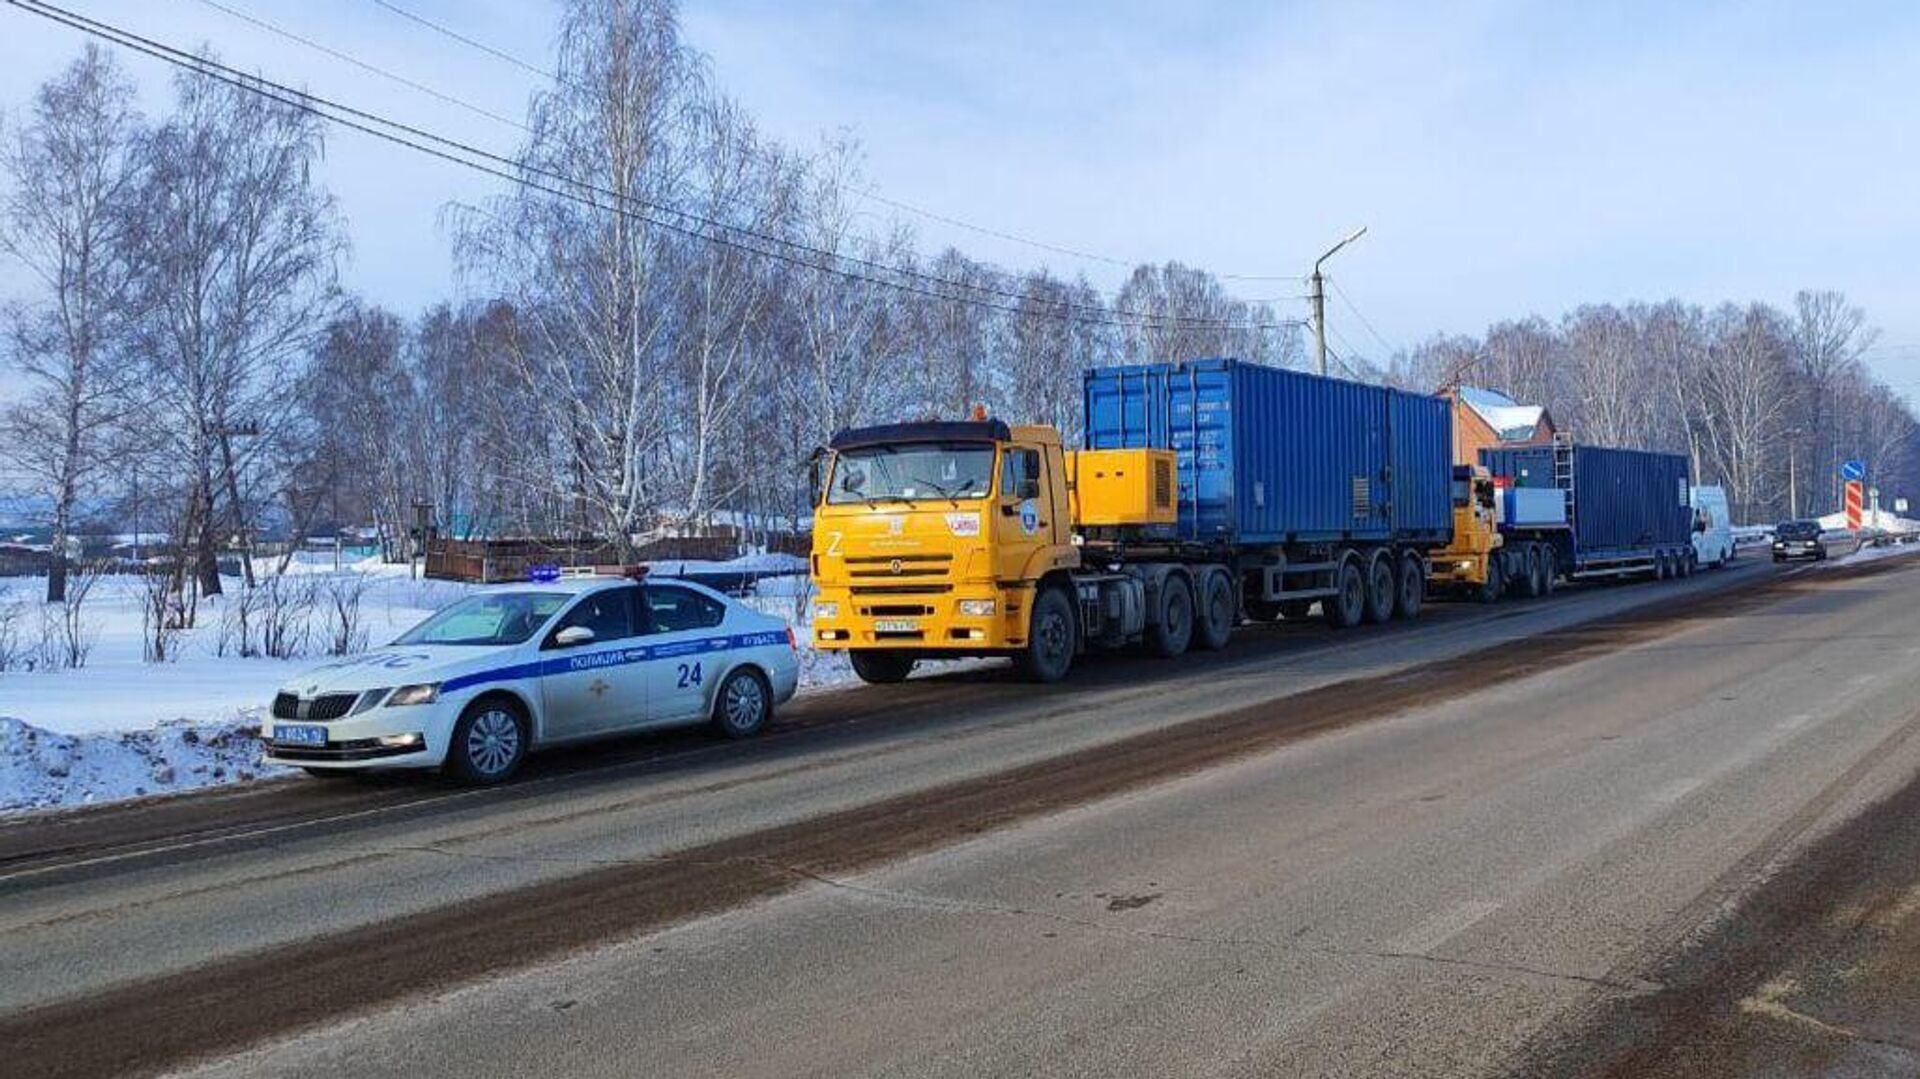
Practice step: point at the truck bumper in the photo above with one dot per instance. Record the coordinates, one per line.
(1448, 570)
(964, 621)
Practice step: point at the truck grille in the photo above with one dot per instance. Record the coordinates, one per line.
(899, 566)
(901, 589)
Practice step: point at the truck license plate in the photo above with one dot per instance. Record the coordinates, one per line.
(300, 735)
(895, 625)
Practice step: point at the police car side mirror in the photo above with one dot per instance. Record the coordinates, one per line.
(573, 635)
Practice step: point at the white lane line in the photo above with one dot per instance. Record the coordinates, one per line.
(1442, 927)
(1676, 790)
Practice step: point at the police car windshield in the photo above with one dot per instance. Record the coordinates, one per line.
(493, 619)
(911, 472)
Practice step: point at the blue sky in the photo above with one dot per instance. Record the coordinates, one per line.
(1508, 158)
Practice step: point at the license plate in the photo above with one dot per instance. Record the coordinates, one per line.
(895, 625)
(303, 735)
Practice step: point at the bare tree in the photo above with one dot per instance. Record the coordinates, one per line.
(238, 258)
(1747, 401)
(587, 272)
(65, 216)
(1829, 336)
(1608, 371)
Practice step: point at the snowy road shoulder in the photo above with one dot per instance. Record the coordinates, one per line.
(42, 769)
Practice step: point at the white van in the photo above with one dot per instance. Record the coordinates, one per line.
(1712, 527)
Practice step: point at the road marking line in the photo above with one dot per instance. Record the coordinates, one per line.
(1442, 927)
(1676, 790)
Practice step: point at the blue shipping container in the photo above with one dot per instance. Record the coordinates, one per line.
(1625, 503)
(1270, 456)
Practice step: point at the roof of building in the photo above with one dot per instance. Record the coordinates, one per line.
(1511, 420)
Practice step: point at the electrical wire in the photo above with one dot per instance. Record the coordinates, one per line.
(866, 193)
(494, 164)
(1345, 299)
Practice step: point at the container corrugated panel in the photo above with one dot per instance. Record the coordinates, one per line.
(1624, 501)
(1274, 456)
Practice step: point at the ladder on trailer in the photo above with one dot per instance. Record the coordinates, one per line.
(1563, 469)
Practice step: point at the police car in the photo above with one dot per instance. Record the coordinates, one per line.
(519, 667)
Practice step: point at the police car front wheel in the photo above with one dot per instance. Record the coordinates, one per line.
(489, 742)
(743, 705)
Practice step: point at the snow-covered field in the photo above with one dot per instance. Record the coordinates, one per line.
(120, 727)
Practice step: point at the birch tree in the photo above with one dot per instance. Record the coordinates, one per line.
(237, 253)
(65, 214)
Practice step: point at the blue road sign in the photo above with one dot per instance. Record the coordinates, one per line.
(1853, 470)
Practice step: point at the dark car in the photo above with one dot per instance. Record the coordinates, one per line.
(1799, 539)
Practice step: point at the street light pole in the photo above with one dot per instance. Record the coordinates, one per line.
(1320, 300)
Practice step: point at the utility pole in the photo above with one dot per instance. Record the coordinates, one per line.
(1320, 300)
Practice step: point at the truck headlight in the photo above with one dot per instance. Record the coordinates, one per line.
(977, 608)
(826, 612)
(425, 693)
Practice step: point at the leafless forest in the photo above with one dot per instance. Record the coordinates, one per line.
(663, 312)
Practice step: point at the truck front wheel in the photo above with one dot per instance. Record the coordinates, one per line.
(881, 668)
(1053, 639)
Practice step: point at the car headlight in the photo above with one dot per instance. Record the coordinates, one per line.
(826, 611)
(425, 693)
(977, 608)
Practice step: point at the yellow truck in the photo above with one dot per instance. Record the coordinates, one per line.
(943, 539)
(1487, 561)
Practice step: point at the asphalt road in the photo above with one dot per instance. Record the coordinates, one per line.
(1538, 837)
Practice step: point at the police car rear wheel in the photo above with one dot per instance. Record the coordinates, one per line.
(489, 742)
(743, 704)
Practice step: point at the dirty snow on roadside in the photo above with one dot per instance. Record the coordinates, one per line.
(41, 769)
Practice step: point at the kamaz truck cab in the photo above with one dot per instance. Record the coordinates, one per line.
(937, 539)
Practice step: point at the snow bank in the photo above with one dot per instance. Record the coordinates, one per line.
(117, 690)
(42, 769)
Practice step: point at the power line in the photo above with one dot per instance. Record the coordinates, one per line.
(467, 41)
(866, 193)
(451, 99)
(493, 164)
(364, 66)
(1344, 298)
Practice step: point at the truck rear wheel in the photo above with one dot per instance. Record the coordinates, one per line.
(1052, 640)
(1214, 626)
(1413, 587)
(1381, 590)
(881, 668)
(1549, 570)
(1526, 572)
(1348, 605)
(1168, 635)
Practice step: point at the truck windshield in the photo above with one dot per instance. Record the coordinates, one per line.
(497, 618)
(911, 472)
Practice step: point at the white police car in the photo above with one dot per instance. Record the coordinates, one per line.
(520, 667)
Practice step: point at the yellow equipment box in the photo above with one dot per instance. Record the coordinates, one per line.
(1122, 487)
